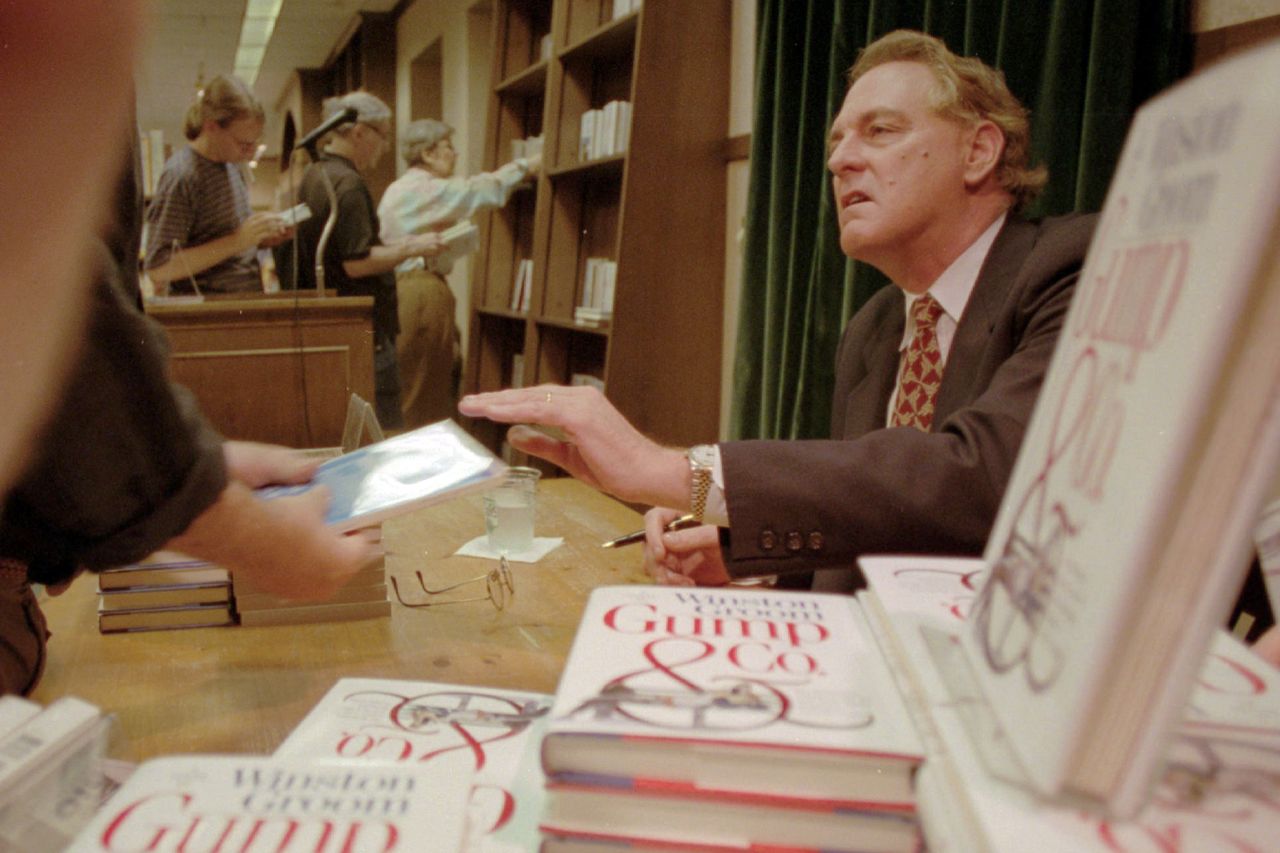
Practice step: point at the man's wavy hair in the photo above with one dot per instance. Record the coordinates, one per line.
(966, 90)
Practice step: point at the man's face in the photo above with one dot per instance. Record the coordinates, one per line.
(897, 166)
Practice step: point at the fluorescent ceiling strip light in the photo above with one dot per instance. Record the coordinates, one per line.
(255, 33)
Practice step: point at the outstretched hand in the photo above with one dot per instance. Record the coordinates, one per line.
(594, 442)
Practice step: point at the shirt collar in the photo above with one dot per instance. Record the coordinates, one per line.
(953, 288)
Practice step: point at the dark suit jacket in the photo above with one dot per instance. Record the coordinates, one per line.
(801, 505)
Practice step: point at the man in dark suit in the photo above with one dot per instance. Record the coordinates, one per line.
(936, 376)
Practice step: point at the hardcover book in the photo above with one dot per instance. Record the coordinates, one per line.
(749, 692)
(428, 465)
(162, 618)
(1219, 782)
(449, 730)
(163, 568)
(1125, 532)
(51, 774)
(255, 804)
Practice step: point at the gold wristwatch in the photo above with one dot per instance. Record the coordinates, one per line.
(701, 460)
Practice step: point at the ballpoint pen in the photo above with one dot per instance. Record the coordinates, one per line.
(681, 523)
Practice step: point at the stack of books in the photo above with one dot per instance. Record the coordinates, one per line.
(363, 597)
(51, 771)
(604, 132)
(728, 719)
(485, 740)
(166, 590)
(599, 279)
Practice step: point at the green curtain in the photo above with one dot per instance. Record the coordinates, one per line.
(1081, 66)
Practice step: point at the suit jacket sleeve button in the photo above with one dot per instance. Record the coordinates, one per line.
(795, 541)
(816, 542)
(768, 540)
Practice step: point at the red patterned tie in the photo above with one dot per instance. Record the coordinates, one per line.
(921, 371)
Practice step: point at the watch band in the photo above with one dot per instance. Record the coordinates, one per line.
(700, 468)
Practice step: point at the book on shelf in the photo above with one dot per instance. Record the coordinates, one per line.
(51, 772)
(449, 730)
(415, 469)
(726, 698)
(163, 568)
(1219, 782)
(1125, 531)
(522, 287)
(517, 370)
(587, 379)
(212, 615)
(255, 803)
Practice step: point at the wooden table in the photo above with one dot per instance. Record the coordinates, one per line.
(239, 689)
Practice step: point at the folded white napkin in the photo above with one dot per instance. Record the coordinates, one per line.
(541, 547)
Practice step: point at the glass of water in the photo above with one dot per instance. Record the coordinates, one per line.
(508, 511)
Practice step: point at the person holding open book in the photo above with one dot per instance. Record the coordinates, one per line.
(936, 377)
(429, 197)
(202, 234)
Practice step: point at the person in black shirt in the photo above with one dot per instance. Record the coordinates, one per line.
(356, 262)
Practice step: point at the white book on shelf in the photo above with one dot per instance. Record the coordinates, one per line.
(623, 139)
(526, 291)
(732, 692)
(590, 270)
(517, 370)
(488, 735)
(587, 134)
(1126, 527)
(253, 802)
(415, 469)
(608, 130)
(605, 288)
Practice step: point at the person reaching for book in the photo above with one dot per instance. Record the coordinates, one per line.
(127, 465)
(430, 197)
(936, 377)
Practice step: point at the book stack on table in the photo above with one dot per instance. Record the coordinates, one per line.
(51, 770)
(483, 740)
(166, 590)
(735, 719)
(362, 597)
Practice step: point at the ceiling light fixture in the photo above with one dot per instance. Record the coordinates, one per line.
(255, 32)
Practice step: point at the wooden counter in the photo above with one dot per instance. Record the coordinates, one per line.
(240, 689)
(273, 368)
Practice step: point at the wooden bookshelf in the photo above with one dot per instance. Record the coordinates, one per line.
(655, 209)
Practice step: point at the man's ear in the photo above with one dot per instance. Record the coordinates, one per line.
(986, 147)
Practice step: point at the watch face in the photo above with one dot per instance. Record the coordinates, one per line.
(702, 455)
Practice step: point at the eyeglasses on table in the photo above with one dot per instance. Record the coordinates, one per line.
(498, 582)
